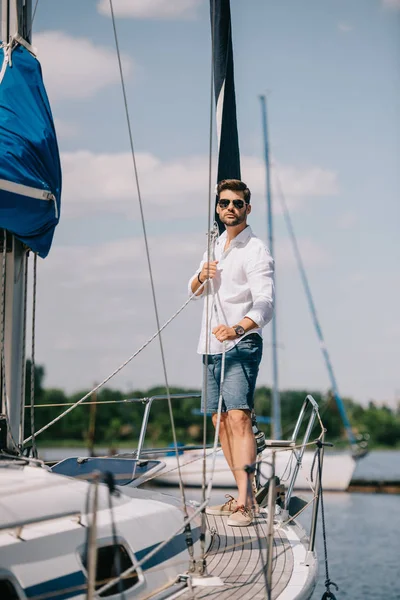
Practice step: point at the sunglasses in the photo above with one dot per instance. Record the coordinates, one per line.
(237, 203)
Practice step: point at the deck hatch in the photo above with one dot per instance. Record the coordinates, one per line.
(112, 560)
(7, 590)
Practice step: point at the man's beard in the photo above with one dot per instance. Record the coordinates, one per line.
(238, 220)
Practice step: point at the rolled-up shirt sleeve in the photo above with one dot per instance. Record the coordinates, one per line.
(260, 275)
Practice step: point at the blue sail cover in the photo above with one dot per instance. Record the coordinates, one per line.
(224, 85)
(30, 170)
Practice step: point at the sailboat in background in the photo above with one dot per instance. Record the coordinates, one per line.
(339, 466)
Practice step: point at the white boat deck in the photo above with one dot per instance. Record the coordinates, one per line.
(238, 555)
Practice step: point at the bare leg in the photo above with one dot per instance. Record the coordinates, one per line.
(239, 448)
(226, 439)
(243, 447)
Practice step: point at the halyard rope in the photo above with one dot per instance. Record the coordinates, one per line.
(33, 18)
(207, 300)
(207, 495)
(153, 291)
(117, 370)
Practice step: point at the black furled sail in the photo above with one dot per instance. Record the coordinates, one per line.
(224, 85)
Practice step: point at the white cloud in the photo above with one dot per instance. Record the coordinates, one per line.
(151, 9)
(345, 27)
(304, 181)
(95, 308)
(84, 266)
(312, 254)
(391, 3)
(76, 67)
(104, 183)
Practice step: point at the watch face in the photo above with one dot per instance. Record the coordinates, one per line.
(239, 330)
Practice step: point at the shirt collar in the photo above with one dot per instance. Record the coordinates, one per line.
(239, 239)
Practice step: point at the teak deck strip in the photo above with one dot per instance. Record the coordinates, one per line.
(235, 557)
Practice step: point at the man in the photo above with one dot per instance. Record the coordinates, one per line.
(239, 284)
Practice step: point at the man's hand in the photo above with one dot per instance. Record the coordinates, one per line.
(223, 333)
(208, 270)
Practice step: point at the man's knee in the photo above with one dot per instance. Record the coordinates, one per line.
(224, 417)
(239, 421)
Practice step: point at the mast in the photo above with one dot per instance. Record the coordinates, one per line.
(318, 329)
(276, 405)
(15, 17)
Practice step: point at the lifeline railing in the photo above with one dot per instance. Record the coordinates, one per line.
(275, 445)
(296, 448)
(149, 403)
(298, 452)
(292, 444)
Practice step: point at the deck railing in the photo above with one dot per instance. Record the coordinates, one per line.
(149, 403)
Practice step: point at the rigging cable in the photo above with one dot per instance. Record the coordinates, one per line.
(215, 295)
(115, 372)
(33, 18)
(110, 482)
(92, 563)
(212, 235)
(85, 553)
(188, 533)
(314, 317)
(152, 552)
(328, 583)
(161, 545)
(207, 299)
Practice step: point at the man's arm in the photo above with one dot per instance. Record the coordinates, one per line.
(224, 332)
(206, 271)
(260, 275)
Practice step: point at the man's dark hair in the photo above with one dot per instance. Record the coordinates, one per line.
(236, 186)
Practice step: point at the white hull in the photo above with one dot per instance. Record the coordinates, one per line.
(44, 527)
(44, 521)
(338, 470)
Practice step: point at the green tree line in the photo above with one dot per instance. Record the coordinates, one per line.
(117, 423)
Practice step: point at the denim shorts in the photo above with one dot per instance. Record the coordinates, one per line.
(241, 370)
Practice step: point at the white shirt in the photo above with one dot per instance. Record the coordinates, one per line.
(243, 287)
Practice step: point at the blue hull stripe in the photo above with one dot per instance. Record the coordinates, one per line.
(63, 587)
(74, 584)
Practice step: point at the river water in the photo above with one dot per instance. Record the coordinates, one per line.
(363, 532)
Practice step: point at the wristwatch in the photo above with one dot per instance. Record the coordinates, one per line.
(239, 330)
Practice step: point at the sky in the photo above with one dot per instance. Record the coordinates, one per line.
(331, 74)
